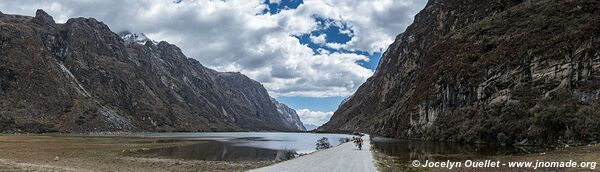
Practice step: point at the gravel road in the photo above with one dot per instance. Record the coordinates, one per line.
(345, 157)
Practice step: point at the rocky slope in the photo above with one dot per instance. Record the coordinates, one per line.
(81, 77)
(290, 115)
(504, 71)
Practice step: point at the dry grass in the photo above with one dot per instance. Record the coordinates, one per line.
(38, 153)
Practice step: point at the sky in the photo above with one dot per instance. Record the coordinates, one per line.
(308, 54)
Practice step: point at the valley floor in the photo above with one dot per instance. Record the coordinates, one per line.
(68, 153)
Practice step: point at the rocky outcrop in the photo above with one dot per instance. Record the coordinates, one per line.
(81, 77)
(42, 18)
(486, 71)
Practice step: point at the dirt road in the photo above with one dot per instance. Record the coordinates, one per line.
(345, 157)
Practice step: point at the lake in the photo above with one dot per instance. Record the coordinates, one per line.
(268, 146)
(239, 146)
(408, 150)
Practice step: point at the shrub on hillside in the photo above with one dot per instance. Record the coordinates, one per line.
(285, 155)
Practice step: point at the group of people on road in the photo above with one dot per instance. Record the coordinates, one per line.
(358, 141)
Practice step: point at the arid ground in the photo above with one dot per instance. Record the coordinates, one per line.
(69, 153)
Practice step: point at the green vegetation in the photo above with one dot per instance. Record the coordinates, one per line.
(323, 143)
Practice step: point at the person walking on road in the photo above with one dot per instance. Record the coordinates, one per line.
(358, 141)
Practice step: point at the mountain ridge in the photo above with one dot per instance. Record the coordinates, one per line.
(82, 77)
(511, 72)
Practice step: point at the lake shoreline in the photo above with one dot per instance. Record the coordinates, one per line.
(50, 153)
(584, 153)
(124, 151)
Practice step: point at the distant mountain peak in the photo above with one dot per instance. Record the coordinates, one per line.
(130, 37)
(310, 127)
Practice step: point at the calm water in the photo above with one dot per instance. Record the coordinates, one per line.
(266, 146)
(406, 150)
(240, 146)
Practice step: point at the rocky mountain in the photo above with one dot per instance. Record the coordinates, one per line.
(290, 115)
(503, 71)
(81, 77)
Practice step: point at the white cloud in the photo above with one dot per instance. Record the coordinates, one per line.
(375, 23)
(317, 118)
(229, 36)
(318, 39)
(336, 45)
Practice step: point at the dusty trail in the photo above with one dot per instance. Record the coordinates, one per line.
(345, 157)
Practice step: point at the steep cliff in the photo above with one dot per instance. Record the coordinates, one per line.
(290, 115)
(506, 71)
(81, 77)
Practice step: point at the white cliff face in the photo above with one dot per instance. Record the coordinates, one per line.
(290, 115)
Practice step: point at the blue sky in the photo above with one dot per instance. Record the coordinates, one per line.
(323, 104)
(309, 54)
(334, 32)
(275, 7)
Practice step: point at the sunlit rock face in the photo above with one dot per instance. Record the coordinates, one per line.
(509, 71)
(289, 115)
(81, 77)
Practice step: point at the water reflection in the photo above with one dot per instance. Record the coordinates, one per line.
(426, 150)
(299, 142)
(240, 146)
(217, 151)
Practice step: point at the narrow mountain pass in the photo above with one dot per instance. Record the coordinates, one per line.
(345, 157)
